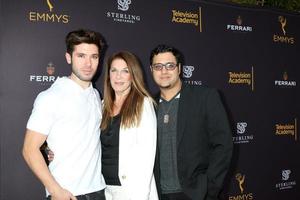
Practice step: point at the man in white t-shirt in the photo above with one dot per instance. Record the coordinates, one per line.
(68, 116)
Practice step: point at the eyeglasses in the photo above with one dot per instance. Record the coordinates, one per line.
(168, 66)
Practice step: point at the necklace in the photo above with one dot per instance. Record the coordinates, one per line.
(166, 117)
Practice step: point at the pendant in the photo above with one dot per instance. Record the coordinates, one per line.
(166, 118)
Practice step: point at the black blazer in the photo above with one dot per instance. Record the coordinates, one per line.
(204, 143)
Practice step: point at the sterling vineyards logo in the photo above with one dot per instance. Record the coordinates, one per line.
(286, 183)
(123, 4)
(241, 134)
(123, 16)
(188, 73)
(241, 127)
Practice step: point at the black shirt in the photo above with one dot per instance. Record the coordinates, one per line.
(110, 151)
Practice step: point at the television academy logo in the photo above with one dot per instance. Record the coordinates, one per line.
(287, 129)
(242, 78)
(50, 16)
(188, 73)
(240, 180)
(123, 5)
(188, 17)
(283, 38)
(45, 79)
(238, 27)
(285, 180)
(241, 137)
(285, 82)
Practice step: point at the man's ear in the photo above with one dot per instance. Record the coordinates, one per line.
(179, 68)
(68, 58)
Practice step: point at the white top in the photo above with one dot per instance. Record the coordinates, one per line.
(137, 147)
(70, 116)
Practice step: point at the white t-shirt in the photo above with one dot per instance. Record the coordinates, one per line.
(70, 116)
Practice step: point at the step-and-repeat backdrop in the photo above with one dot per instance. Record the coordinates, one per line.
(251, 55)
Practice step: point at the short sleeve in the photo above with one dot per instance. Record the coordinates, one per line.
(42, 117)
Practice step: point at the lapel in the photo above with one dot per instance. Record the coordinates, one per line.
(182, 112)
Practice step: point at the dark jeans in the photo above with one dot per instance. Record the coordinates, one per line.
(99, 195)
(175, 196)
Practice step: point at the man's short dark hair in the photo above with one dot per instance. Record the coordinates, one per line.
(163, 48)
(79, 36)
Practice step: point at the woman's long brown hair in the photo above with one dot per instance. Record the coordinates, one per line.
(131, 110)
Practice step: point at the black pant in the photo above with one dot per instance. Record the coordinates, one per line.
(175, 196)
(99, 195)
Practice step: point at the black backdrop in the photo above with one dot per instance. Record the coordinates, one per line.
(251, 55)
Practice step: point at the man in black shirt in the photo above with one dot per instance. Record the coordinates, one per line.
(194, 136)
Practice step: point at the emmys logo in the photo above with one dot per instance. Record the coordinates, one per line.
(45, 79)
(286, 174)
(285, 81)
(239, 27)
(241, 127)
(283, 38)
(50, 5)
(49, 17)
(285, 184)
(241, 183)
(123, 4)
(240, 179)
(188, 71)
(282, 21)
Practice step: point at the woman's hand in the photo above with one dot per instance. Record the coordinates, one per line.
(50, 154)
